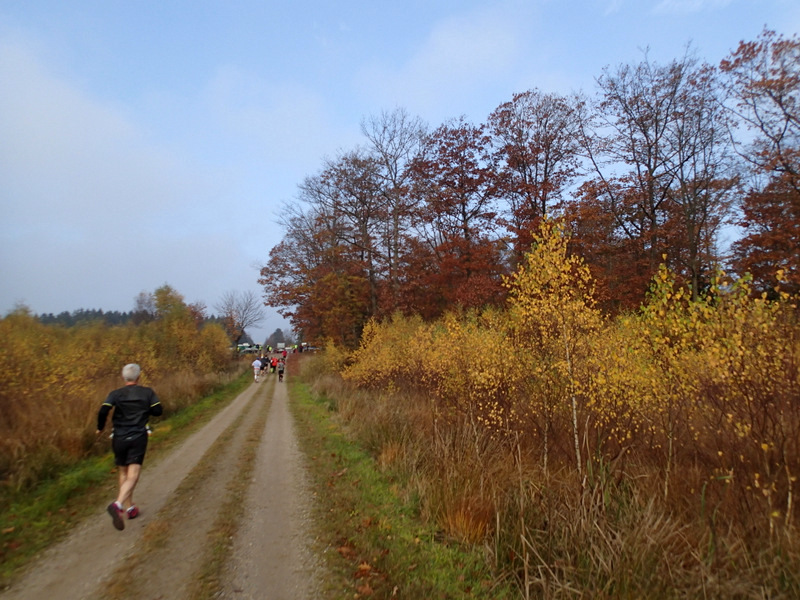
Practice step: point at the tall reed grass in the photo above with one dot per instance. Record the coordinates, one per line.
(655, 454)
(56, 378)
(609, 534)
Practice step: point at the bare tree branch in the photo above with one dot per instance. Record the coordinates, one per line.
(240, 310)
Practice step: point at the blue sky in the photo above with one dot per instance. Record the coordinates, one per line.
(144, 143)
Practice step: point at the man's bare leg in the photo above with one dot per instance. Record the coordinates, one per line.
(128, 478)
(122, 473)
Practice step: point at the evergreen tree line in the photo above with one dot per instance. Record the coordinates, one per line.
(83, 316)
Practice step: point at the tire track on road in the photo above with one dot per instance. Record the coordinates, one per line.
(272, 556)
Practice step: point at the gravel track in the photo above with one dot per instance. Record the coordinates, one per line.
(161, 554)
(272, 555)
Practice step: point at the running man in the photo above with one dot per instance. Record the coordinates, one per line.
(133, 405)
(256, 369)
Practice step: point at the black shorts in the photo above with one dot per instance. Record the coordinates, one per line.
(129, 449)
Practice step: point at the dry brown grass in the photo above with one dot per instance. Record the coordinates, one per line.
(609, 534)
(45, 436)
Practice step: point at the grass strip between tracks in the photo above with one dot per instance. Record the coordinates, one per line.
(220, 537)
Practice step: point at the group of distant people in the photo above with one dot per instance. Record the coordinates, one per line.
(261, 364)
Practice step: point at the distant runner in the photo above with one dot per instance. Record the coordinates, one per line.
(256, 369)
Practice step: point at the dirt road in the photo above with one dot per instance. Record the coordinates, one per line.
(186, 499)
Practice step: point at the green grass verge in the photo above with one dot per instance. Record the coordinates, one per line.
(32, 520)
(374, 544)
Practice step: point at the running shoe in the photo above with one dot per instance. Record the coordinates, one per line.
(116, 516)
(133, 512)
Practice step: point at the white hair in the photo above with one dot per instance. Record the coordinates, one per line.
(131, 372)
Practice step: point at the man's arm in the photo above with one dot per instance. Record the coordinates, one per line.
(156, 410)
(103, 415)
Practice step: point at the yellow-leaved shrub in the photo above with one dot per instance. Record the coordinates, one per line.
(695, 398)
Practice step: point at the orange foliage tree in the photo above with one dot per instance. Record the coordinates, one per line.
(763, 82)
(423, 222)
(536, 144)
(315, 278)
(456, 215)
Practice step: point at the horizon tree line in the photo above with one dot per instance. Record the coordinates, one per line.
(237, 310)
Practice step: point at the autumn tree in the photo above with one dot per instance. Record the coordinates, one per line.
(289, 274)
(198, 311)
(276, 337)
(536, 144)
(771, 244)
(594, 235)
(169, 304)
(313, 275)
(394, 140)
(700, 161)
(763, 85)
(179, 333)
(656, 145)
(345, 197)
(144, 308)
(553, 315)
(349, 188)
(624, 137)
(456, 185)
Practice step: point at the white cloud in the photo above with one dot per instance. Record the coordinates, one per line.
(69, 159)
(93, 210)
(460, 55)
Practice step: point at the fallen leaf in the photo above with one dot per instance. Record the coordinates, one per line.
(363, 571)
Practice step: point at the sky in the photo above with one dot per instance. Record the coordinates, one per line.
(159, 142)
